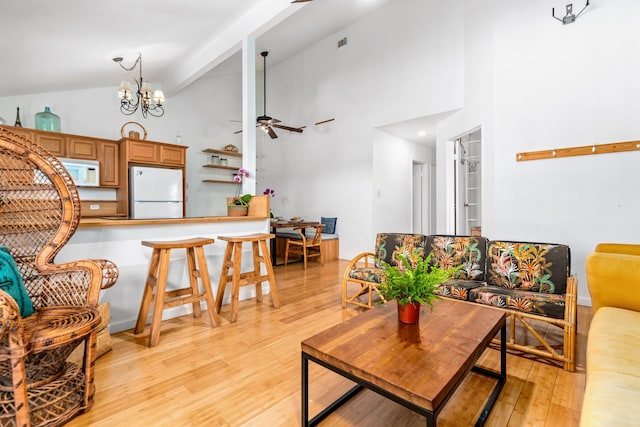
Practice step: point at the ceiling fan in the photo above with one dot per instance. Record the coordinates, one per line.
(265, 122)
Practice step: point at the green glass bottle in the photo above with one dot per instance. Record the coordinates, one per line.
(46, 120)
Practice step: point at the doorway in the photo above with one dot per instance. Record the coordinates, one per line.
(468, 183)
(421, 193)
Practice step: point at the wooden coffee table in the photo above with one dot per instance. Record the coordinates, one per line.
(418, 366)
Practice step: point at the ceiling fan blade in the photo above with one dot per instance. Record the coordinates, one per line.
(238, 131)
(271, 132)
(289, 128)
(324, 121)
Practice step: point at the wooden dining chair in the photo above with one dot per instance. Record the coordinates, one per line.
(47, 309)
(305, 246)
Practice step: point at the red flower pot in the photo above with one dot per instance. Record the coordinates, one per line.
(409, 313)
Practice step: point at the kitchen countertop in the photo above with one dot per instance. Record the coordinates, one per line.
(119, 221)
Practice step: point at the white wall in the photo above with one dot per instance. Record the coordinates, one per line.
(554, 86)
(411, 69)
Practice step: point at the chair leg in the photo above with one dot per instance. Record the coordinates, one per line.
(275, 298)
(304, 257)
(147, 294)
(193, 280)
(344, 293)
(256, 268)
(203, 272)
(224, 275)
(286, 253)
(235, 290)
(90, 344)
(158, 305)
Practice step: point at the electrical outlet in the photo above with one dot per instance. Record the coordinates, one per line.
(94, 207)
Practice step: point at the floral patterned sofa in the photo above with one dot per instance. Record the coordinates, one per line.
(530, 281)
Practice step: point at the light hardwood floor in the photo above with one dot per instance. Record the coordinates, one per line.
(248, 373)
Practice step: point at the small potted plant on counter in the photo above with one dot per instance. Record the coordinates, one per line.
(411, 283)
(239, 205)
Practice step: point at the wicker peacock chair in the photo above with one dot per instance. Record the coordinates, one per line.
(39, 212)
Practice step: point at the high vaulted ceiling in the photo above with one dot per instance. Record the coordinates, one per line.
(55, 46)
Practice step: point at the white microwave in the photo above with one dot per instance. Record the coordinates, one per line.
(83, 172)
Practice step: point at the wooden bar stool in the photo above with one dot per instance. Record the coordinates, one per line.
(157, 280)
(233, 258)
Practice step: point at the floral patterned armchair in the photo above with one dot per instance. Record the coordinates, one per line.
(364, 271)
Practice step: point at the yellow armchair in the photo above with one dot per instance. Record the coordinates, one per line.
(612, 392)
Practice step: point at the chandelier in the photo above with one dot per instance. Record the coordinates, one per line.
(148, 100)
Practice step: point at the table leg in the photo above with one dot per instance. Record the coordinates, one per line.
(273, 247)
(305, 390)
(333, 406)
(502, 377)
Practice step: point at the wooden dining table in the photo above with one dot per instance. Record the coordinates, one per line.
(275, 225)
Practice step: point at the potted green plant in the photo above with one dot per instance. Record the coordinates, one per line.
(239, 205)
(412, 283)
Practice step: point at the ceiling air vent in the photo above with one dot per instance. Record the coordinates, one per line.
(342, 42)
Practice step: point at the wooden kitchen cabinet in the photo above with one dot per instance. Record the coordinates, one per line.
(171, 155)
(53, 142)
(141, 151)
(154, 153)
(108, 155)
(82, 148)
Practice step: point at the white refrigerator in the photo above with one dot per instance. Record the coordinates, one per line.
(155, 192)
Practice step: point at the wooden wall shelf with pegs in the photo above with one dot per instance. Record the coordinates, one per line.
(586, 150)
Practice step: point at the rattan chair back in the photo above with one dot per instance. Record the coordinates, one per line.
(39, 212)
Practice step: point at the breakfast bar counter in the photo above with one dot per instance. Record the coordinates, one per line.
(119, 239)
(122, 221)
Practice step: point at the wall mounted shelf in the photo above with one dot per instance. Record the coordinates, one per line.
(231, 168)
(226, 153)
(614, 147)
(219, 181)
(223, 167)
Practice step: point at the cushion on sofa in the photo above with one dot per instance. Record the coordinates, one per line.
(609, 400)
(613, 369)
(458, 289)
(548, 305)
(453, 251)
(372, 274)
(329, 225)
(390, 245)
(537, 267)
(614, 342)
